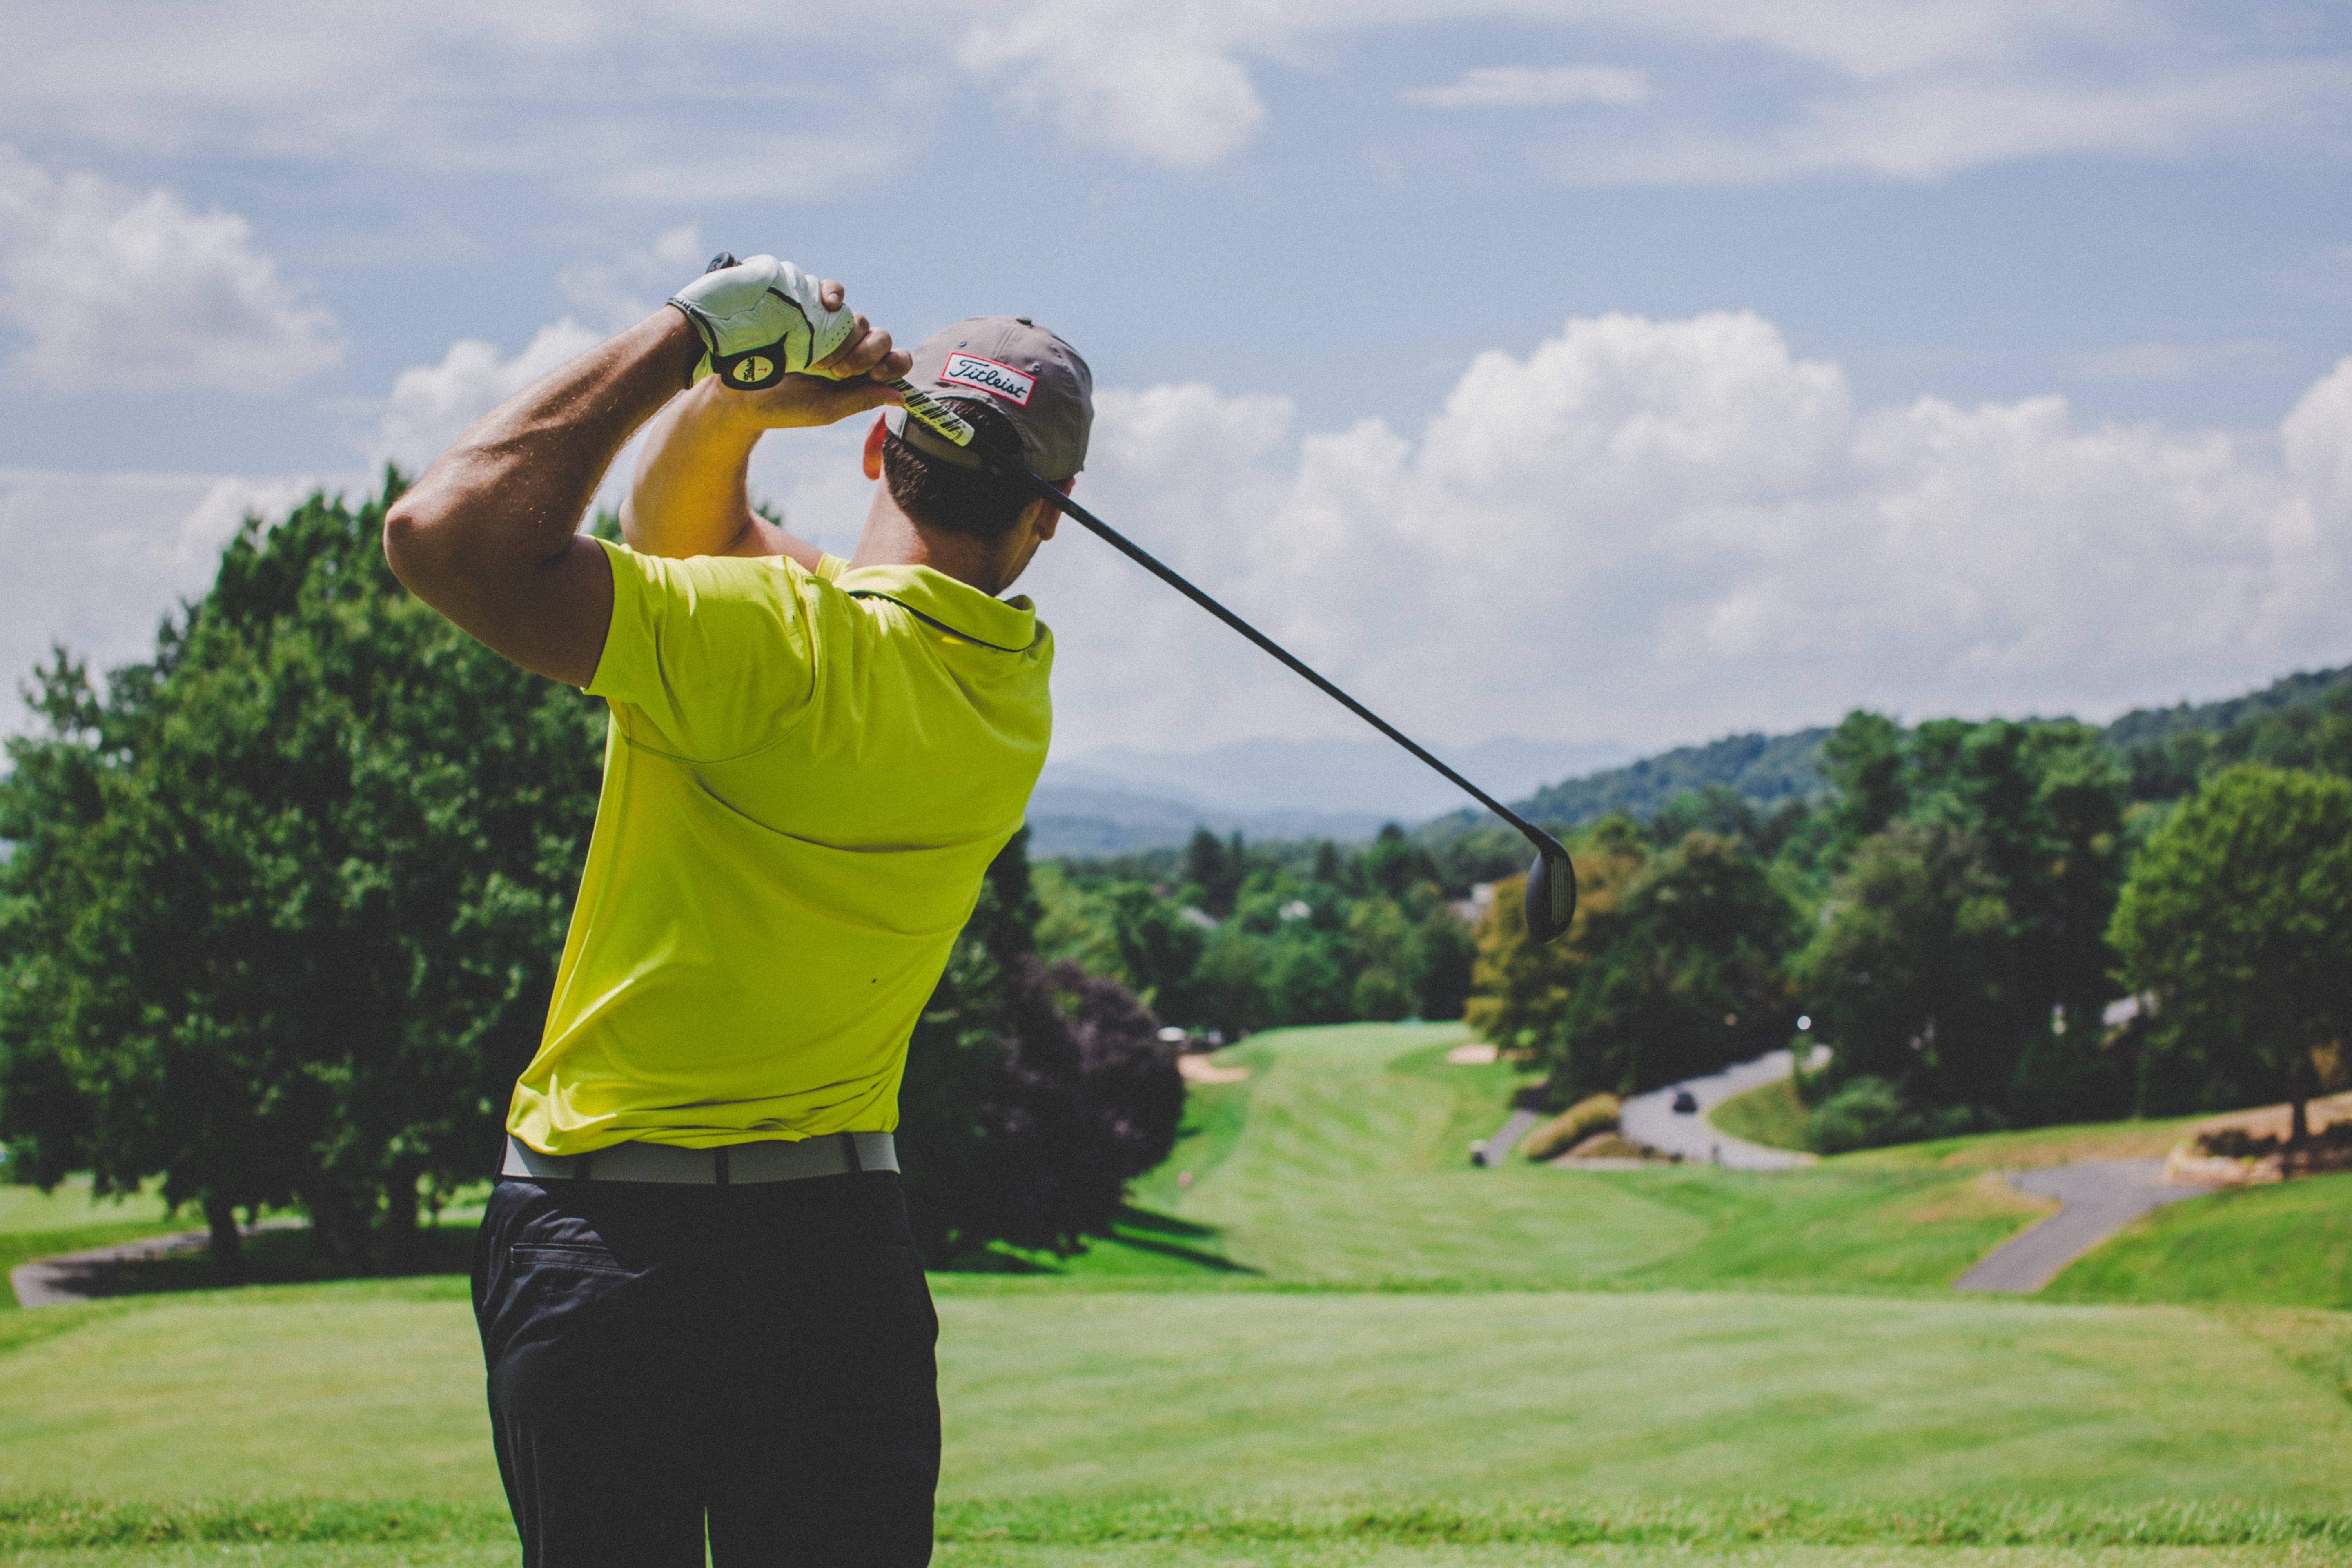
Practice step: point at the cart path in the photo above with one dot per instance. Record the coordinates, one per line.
(2099, 1197)
(81, 1276)
(1515, 1127)
(1649, 1118)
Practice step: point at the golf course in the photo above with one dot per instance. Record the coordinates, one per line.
(1321, 1336)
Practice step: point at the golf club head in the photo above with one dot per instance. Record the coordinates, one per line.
(1551, 894)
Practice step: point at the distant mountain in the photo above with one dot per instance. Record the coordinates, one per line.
(1766, 769)
(1083, 820)
(1113, 801)
(2163, 723)
(1369, 777)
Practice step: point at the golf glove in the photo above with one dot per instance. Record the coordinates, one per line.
(760, 321)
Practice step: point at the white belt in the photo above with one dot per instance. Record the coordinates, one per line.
(730, 1164)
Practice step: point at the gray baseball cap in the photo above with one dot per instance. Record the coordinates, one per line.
(1021, 369)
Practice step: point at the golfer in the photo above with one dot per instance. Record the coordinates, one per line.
(700, 1309)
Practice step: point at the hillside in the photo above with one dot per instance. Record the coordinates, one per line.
(1770, 769)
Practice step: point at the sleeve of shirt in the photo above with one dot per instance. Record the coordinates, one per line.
(706, 659)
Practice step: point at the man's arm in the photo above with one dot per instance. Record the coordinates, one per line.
(692, 493)
(489, 537)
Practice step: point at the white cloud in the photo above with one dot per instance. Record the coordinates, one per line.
(96, 561)
(1913, 92)
(712, 101)
(1536, 87)
(1664, 531)
(1160, 83)
(432, 404)
(587, 93)
(126, 292)
(626, 291)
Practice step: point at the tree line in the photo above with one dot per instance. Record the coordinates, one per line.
(1957, 917)
(282, 906)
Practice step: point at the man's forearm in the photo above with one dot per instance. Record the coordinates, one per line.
(691, 492)
(488, 536)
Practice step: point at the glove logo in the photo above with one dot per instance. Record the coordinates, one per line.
(751, 370)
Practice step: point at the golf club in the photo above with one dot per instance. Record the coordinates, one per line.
(1551, 880)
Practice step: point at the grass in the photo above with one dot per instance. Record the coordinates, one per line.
(1411, 1536)
(2033, 1147)
(2288, 1245)
(1769, 1114)
(1339, 1344)
(362, 1391)
(1342, 1160)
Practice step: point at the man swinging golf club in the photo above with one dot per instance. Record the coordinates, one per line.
(700, 1310)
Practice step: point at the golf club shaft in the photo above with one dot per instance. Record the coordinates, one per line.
(1167, 575)
(953, 428)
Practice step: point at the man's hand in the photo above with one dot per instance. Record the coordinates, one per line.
(690, 495)
(764, 319)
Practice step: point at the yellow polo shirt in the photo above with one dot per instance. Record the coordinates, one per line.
(806, 775)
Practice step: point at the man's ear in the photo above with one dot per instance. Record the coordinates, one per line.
(1049, 517)
(874, 448)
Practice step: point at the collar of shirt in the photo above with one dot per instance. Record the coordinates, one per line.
(952, 605)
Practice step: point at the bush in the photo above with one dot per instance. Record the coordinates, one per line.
(1867, 1114)
(1870, 1113)
(1571, 1127)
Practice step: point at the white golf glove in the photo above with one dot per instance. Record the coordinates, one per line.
(760, 320)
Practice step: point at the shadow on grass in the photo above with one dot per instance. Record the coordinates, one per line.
(271, 1257)
(1144, 1230)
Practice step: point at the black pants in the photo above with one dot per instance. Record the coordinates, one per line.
(759, 1357)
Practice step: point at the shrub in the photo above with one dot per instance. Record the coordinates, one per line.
(1867, 1114)
(1571, 1127)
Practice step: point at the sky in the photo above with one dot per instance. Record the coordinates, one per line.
(1582, 370)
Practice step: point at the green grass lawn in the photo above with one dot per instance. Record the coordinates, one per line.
(1769, 1114)
(2289, 1244)
(1343, 1159)
(373, 1390)
(1338, 1343)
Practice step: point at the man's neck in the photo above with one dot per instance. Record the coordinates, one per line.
(891, 538)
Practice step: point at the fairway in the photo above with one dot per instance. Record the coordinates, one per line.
(1343, 1159)
(374, 1391)
(1337, 1327)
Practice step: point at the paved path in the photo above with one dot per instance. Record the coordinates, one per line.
(1649, 1118)
(1498, 1149)
(2100, 1197)
(80, 1276)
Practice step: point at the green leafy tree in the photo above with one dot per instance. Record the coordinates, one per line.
(1034, 1092)
(288, 900)
(1862, 760)
(1520, 989)
(1688, 975)
(1217, 868)
(1963, 961)
(1907, 978)
(2238, 921)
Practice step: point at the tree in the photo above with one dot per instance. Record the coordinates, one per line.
(287, 899)
(1520, 989)
(1688, 975)
(1034, 1092)
(1963, 959)
(1217, 868)
(1904, 978)
(1862, 760)
(2238, 921)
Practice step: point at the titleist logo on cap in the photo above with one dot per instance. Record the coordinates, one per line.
(988, 376)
